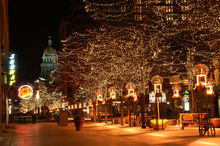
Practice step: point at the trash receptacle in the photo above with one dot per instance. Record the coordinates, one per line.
(63, 118)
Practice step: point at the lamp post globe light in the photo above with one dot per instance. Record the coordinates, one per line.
(112, 91)
(176, 88)
(131, 91)
(99, 96)
(201, 71)
(209, 87)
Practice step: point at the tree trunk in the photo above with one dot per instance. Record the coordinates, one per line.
(122, 113)
(212, 106)
(106, 116)
(94, 111)
(143, 125)
(129, 115)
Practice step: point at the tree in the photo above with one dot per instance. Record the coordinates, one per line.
(51, 99)
(195, 39)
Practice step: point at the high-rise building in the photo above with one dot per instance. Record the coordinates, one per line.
(139, 10)
(175, 9)
(49, 60)
(116, 10)
(4, 49)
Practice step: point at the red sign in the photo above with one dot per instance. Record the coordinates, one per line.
(25, 92)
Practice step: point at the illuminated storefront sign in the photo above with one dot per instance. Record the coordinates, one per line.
(11, 71)
(186, 105)
(25, 92)
(64, 104)
(152, 98)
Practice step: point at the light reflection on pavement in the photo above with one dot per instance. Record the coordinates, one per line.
(100, 134)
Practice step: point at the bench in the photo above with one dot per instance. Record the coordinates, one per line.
(23, 119)
(190, 118)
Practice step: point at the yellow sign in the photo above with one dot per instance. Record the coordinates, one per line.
(25, 92)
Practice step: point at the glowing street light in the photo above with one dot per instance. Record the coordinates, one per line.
(130, 96)
(201, 71)
(210, 93)
(131, 90)
(157, 82)
(99, 100)
(99, 95)
(209, 87)
(112, 91)
(176, 88)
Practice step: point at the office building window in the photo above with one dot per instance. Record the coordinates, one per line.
(138, 2)
(138, 17)
(138, 9)
(123, 9)
(169, 17)
(184, 8)
(169, 1)
(184, 16)
(169, 8)
(184, 1)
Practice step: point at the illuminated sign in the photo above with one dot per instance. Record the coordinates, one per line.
(12, 67)
(112, 92)
(186, 101)
(64, 104)
(152, 98)
(25, 92)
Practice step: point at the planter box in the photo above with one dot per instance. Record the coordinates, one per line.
(63, 118)
(216, 122)
(173, 122)
(162, 123)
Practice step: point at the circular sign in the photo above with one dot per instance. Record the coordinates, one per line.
(25, 92)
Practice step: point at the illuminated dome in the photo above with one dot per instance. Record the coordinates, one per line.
(50, 50)
(49, 60)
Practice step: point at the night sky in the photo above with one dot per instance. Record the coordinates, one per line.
(30, 24)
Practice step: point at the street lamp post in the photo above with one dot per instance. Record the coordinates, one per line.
(157, 82)
(112, 91)
(99, 100)
(210, 95)
(176, 95)
(200, 71)
(94, 109)
(130, 97)
(121, 106)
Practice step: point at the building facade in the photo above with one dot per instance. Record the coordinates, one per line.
(4, 49)
(49, 60)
